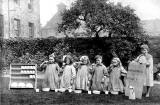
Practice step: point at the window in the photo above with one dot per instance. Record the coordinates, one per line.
(31, 30)
(17, 27)
(30, 4)
(17, 2)
(1, 26)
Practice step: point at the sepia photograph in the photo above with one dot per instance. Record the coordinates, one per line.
(79, 52)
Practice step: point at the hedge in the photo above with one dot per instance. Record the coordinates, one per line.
(14, 50)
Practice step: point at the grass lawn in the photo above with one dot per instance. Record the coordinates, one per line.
(30, 97)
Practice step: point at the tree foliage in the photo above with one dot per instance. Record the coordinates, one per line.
(102, 15)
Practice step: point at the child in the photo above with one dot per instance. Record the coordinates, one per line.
(51, 79)
(83, 75)
(100, 75)
(116, 71)
(69, 74)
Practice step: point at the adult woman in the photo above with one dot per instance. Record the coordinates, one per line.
(147, 59)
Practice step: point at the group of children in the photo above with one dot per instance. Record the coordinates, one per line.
(83, 75)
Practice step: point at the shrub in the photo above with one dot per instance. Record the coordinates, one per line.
(39, 49)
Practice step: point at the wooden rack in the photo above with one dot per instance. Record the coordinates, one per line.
(23, 76)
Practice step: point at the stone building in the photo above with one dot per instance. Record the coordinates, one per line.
(19, 18)
(51, 28)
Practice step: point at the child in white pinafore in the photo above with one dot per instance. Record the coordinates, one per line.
(83, 74)
(51, 79)
(69, 74)
(116, 71)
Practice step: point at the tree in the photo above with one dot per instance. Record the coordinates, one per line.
(101, 15)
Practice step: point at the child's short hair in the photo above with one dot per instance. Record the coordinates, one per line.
(98, 57)
(85, 58)
(144, 46)
(118, 60)
(68, 57)
(52, 55)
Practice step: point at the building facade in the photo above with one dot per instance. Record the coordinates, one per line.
(19, 18)
(51, 28)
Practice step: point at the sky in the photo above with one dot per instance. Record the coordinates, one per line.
(145, 9)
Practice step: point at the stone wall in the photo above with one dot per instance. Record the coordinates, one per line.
(24, 14)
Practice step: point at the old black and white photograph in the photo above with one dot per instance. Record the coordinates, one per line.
(79, 52)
